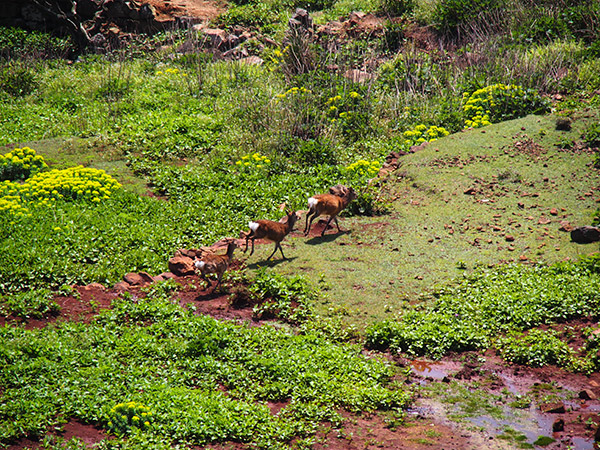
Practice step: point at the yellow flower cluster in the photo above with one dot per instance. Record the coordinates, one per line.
(10, 200)
(291, 92)
(123, 416)
(362, 168)
(170, 71)
(254, 160)
(21, 162)
(75, 183)
(421, 134)
(478, 107)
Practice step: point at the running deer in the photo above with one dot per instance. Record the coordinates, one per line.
(328, 204)
(271, 231)
(210, 263)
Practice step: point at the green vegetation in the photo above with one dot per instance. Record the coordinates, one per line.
(456, 248)
(470, 315)
(196, 380)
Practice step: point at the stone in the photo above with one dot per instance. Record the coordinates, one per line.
(138, 279)
(558, 425)
(585, 234)
(587, 394)
(121, 286)
(181, 266)
(553, 408)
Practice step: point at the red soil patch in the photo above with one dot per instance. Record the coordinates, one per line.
(205, 10)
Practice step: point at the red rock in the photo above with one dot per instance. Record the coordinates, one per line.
(554, 212)
(587, 394)
(138, 279)
(181, 266)
(553, 408)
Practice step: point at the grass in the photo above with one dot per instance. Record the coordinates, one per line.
(435, 232)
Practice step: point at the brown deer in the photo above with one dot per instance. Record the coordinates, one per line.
(271, 231)
(328, 204)
(210, 263)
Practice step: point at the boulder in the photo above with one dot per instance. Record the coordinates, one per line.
(181, 266)
(585, 235)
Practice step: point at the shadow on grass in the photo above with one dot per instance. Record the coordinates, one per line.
(270, 263)
(326, 238)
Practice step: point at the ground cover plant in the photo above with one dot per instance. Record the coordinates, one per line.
(113, 162)
(148, 368)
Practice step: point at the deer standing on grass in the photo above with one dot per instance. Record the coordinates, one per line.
(215, 264)
(271, 231)
(328, 204)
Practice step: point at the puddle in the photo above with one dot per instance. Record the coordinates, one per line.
(580, 443)
(428, 369)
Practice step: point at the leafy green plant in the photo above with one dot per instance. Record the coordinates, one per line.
(20, 43)
(537, 348)
(34, 304)
(17, 80)
(291, 299)
(451, 16)
(470, 315)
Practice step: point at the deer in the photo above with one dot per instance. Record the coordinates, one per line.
(328, 204)
(271, 231)
(211, 263)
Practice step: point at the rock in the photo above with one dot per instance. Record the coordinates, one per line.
(553, 408)
(585, 234)
(215, 37)
(471, 191)
(253, 60)
(558, 425)
(138, 279)
(121, 286)
(301, 19)
(563, 124)
(93, 286)
(163, 276)
(587, 394)
(181, 266)
(509, 238)
(554, 212)
(565, 226)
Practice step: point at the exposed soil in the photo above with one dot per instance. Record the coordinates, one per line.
(202, 10)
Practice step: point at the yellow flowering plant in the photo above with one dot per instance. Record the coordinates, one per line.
(499, 102)
(362, 169)
(21, 163)
(73, 184)
(124, 417)
(253, 161)
(421, 133)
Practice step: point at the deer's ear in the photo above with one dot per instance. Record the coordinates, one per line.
(283, 207)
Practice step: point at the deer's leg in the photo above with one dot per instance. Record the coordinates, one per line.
(326, 225)
(252, 246)
(337, 224)
(307, 230)
(247, 237)
(276, 245)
